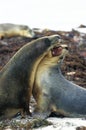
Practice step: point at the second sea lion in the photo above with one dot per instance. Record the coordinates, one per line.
(54, 93)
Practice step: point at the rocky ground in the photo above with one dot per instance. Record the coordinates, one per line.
(73, 68)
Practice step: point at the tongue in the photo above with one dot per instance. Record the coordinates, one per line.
(56, 51)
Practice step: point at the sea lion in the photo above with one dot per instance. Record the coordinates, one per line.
(9, 30)
(17, 77)
(57, 94)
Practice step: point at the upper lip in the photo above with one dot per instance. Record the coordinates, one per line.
(61, 45)
(56, 47)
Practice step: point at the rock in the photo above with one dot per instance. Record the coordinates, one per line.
(65, 124)
(82, 26)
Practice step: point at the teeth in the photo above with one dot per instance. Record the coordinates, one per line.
(53, 53)
(60, 45)
(64, 45)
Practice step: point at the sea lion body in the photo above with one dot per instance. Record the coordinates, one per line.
(57, 93)
(72, 100)
(17, 77)
(9, 30)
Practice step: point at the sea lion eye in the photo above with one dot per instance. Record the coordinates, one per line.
(47, 42)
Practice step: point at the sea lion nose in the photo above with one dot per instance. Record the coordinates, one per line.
(55, 38)
(66, 48)
(59, 39)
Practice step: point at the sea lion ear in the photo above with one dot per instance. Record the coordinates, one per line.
(47, 42)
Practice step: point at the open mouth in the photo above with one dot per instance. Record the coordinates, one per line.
(56, 51)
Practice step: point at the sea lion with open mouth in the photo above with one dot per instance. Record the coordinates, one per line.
(18, 75)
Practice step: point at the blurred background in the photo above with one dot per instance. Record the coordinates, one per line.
(52, 14)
